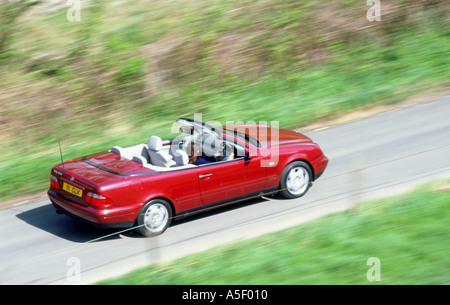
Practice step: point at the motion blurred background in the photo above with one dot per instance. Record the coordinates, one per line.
(128, 69)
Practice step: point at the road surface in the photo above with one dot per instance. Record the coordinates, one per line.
(377, 156)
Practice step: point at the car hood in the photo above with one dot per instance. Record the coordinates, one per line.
(266, 134)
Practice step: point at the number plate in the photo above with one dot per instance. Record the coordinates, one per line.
(73, 190)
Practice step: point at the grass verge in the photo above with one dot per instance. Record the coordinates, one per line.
(127, 70)
(407, 233)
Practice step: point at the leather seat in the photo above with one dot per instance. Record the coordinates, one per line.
(158, 157)
(180, 157)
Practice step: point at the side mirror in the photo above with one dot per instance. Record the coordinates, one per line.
(186, 129)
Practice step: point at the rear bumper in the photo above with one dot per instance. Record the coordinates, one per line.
(105, 218)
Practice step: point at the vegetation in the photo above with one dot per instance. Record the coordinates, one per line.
(406, 233)
(128, 69)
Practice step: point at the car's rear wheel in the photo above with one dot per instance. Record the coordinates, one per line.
(154, 218)
(295, 180)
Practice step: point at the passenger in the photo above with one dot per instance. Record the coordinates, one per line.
(193, 151)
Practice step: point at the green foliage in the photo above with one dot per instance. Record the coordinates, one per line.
(131, 68)
(406, 233)
(9, 12)
(136, 65)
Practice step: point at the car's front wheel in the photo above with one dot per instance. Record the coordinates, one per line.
(295, 180)
(154, 218)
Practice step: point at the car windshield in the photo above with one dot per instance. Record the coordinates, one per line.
(202, 128)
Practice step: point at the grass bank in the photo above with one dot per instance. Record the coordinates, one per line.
(127, 70)
(407, 233)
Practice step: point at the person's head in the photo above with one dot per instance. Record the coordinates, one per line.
(193, 151)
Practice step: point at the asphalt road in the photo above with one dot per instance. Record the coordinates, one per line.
(377, 156)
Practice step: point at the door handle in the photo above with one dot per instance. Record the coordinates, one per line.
(205, 175)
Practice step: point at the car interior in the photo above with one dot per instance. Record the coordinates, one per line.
(172, 154)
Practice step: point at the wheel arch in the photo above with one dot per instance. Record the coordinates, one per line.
(303, 160)
(172, 206)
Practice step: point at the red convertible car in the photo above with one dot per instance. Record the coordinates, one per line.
(146, 186)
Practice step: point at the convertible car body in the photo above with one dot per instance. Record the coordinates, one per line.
(149, 185)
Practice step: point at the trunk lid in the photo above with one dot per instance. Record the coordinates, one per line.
(80, 176)
(114, 164)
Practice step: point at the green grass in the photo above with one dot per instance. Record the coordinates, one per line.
(128, 70)
(407, 233)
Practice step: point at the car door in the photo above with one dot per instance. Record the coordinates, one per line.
(179, 186)
(219, 181)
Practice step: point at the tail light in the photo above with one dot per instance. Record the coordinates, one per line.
(54, 182)
(98, 200)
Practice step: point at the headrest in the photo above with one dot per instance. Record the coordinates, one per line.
(154, 143)
(210, 144)
(117, 150)
(140, 159)
(180, 157)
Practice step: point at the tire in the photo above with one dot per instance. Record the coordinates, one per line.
(154, 218)
(295, 180)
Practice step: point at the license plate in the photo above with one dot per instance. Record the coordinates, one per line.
(72, 189)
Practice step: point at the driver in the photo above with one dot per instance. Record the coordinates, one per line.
(196, 158)
(221, 155)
